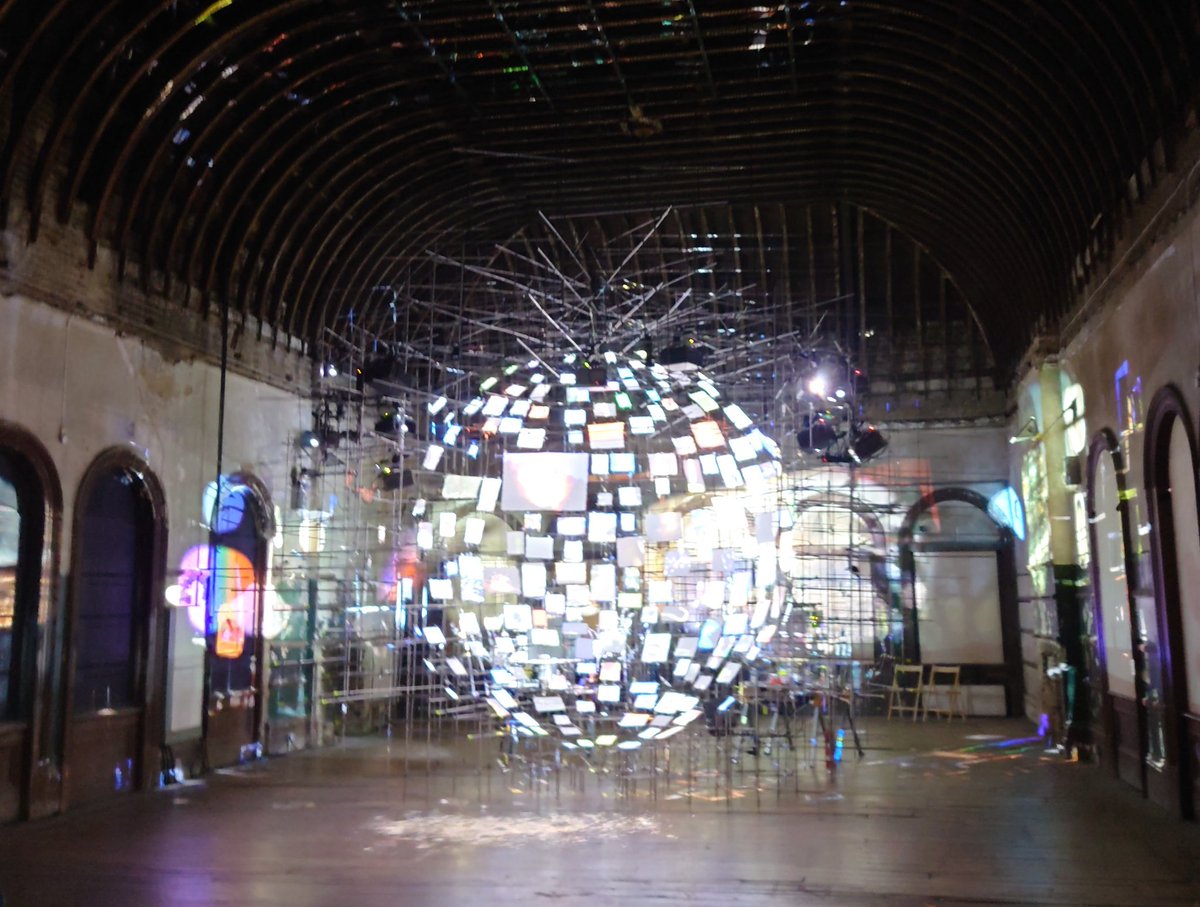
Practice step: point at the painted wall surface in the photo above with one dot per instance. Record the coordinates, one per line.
(959, 455)
(81, 388)
(959, 608)
(1146, 336)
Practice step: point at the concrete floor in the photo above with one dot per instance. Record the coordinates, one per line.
(942, 814)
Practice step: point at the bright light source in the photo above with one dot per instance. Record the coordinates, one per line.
(818, 385)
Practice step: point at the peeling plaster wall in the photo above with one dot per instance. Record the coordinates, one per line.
(80, 388)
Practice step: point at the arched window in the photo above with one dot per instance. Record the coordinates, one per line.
(115, 643)
(833, 554)
(235, 567)
(241, 558)
(956, 547)
(1172, 626)
(112, 593)
(30, 508)
(10, 559)
(1182, 473)
(22, 549)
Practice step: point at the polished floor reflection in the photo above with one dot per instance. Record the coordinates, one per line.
(972, 813)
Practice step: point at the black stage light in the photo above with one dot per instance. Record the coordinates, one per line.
(388, 423)
(867, 442)
(392, 475)
(394, 419)
(816, 434)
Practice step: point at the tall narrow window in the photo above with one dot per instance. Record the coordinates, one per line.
(10, 544)
(113, 542)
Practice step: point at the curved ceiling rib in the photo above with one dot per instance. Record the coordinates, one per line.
(289, 159)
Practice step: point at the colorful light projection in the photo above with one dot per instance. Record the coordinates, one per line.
(218, 588)
(1033, 485)
(227, 514)
(1006, 509)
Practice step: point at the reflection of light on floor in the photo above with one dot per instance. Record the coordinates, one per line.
(995, 750)
(1025, 742)
(428, 831)
(984, 737)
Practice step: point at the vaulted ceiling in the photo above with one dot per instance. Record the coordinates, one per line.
(309, 161)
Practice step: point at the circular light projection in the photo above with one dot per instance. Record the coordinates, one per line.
(231, 509)
(223, 573)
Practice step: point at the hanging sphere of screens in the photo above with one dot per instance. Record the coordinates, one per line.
(613, 609)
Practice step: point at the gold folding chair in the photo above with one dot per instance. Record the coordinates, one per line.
(907, 680)
(944, 689)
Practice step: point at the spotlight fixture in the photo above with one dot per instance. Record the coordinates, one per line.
(861, 444)
(867, 442)
(309, 440)
(392, 421)
(826, 378)
(392, 475)
(817, 434)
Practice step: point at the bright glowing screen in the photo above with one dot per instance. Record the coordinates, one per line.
(545, 481)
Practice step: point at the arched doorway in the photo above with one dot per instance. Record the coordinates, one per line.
(115, 644)
(838, 545)
(1114, 617)
(30, 513)
(1175, 545)
(233, 716)
(959, 567)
